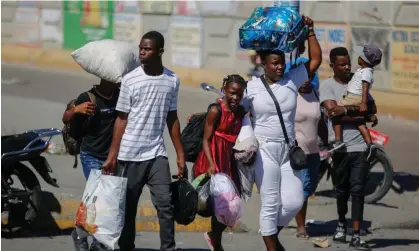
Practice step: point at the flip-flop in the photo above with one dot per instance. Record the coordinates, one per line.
(302, 236)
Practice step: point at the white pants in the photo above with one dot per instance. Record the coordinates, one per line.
(280, 187)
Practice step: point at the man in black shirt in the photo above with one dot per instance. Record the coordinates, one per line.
(92, 118)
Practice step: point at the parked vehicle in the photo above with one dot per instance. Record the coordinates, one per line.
(20, 188)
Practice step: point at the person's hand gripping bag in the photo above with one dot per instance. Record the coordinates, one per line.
(273, 28)
(228, 205)
(102, 210)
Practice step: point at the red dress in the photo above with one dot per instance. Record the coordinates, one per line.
(222, 143)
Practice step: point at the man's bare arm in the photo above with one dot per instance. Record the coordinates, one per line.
(332, 106)
(174, 130)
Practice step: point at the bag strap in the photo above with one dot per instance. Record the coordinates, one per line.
(316, 94)
(278, 109)
(92, 97)
(220, 113)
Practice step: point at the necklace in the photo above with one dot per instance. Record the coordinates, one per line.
(103, 96)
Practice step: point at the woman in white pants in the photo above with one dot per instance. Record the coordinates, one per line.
(280, 186)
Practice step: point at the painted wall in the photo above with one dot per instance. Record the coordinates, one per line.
(204, 34)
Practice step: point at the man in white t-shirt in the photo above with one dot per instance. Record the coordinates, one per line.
(147, 101)
(358, 92)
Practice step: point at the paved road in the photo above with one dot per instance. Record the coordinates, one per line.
(406, 240)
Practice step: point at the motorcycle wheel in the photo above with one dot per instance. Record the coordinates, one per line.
(26, 213)
(386, 182)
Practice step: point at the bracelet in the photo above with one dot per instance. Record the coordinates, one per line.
(312, 35)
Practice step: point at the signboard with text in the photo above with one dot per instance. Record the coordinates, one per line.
(186, 34)
(405, 60)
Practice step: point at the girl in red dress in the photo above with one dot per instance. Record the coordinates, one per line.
(217, 153)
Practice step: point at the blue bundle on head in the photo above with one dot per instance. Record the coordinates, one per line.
(273, 28)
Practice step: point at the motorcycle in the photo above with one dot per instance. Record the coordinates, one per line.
(376, 187)
(23, 201)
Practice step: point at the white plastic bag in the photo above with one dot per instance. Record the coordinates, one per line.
(108, 59)
(246, 144)
(247, 130)
(247, 180)
(245, 151)
(228, 205)
(102, 210)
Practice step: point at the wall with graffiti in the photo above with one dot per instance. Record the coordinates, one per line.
(204, 34)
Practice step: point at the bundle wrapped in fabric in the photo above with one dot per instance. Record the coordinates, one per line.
(273, 28)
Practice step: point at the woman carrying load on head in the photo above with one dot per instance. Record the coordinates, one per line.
(280, 186)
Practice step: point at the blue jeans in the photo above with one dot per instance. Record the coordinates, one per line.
(88, 163)
(309, 175)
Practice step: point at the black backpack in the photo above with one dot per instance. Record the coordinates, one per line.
(193, 134)
(71, 141)
(185, 201)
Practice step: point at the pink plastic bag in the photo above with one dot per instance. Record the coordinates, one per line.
(228, 205)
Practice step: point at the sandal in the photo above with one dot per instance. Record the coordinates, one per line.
(302, 236)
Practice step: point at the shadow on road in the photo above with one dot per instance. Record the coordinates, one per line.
(43, 226)
(183, 249)
(328, 228)
(396, 243)
(402, 182)
(405, 182)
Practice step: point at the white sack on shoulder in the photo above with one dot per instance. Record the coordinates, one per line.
(108, 59)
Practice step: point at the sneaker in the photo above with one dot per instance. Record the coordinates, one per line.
(336, 145)
(340, 234)
(358, 244)
(80, 244)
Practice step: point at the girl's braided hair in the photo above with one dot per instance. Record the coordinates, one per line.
(234, 78)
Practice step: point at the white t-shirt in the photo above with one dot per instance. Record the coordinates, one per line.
(147, 100)
(355, 85)
(265, 117)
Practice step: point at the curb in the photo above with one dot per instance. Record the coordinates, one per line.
(393, 104)
(147, 219)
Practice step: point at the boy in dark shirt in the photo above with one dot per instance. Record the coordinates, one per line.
(92, 118)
